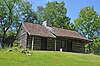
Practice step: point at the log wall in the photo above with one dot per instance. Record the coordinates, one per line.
(50, 44)
(37, 43)
(58, 44)
(29, 42)
(77, 47)
(22, 37)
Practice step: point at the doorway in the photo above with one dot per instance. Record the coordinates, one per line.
(69, 46)
(64, 46)
(43, 43)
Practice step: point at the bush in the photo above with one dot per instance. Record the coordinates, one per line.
(96, 45)
(15, 43)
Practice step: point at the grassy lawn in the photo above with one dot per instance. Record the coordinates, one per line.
(48, 58)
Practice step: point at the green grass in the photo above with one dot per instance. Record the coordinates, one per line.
(48, 58)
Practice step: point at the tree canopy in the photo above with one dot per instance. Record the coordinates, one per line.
(55, 13)
(12, 13)
(27, 13)
(88, 24)
(8, 16)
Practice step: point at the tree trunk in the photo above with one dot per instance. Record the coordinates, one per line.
(89, 45)
(4, 34)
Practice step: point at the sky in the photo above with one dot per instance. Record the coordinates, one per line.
(72, 6)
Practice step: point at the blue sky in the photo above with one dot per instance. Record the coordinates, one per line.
(73, 6)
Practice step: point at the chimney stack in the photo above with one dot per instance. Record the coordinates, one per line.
(46, 23)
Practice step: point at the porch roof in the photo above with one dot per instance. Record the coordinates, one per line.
(67, 33)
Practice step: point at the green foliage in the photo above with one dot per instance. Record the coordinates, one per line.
(8, 16)
(12, 13)
(88, 22)
(96, 45)
(27, 13)
(11, 32)
(15, 43)
(55, 13)
(40, 13)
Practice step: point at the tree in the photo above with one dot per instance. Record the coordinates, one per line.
(55, 13)
(40, 13)
(12, 13)
(96, 45)
(8, 16)
(27, 13)
(88, 23)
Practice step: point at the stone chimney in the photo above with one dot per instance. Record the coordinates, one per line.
(46, 23)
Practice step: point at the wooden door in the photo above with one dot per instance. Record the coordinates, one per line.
(69, 46)
(64, 46)
(44, 43)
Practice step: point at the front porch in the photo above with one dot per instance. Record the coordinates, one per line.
(52, 44)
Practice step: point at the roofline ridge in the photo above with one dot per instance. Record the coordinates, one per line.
(48, 28)
(25, 29)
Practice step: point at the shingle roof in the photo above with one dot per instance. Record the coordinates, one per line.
(40, 30)
(37, 30)
(67, 33)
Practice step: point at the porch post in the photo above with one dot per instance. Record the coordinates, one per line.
(83, 47)
(55, 44)
(32, 42)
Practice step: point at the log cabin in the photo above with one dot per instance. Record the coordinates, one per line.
(44, 37)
